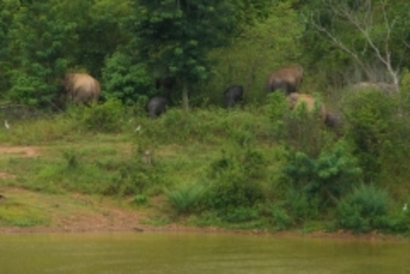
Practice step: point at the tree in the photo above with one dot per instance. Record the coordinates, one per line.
(263, 45)
(40, 48)
(370, 32)
(175, 37)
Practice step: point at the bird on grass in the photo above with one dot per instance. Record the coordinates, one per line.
(6, 124)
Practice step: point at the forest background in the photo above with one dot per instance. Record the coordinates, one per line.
(260, 165)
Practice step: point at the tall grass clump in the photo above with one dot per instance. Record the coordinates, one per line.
(186, 198)
(363, 210)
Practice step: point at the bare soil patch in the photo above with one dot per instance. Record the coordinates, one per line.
(20, 151)
(17, 151)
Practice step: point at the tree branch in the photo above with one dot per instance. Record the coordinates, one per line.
(364, 26)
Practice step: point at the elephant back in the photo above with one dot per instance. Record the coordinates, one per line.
(82, 88)
(296, 99)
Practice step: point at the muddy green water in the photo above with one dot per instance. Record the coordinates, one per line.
(196, 253)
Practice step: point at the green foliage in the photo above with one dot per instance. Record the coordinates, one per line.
(126, 81)
(234, 182)
(19, 214)
(108, 175)
(326, 178)
(186, 198)
(363, 210)
(140, 199)
(104, 117)
(176, 37)
(208, 126)
(268, 41)
(373, 128)
(354, 45)
(39, 47)
(276, 109)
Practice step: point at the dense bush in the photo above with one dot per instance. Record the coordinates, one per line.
(372, 124)
(127, 81)
(326, 178)
(234, 186)
(104, 117)
(364, 209)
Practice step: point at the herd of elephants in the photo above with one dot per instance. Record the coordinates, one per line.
(83, 88)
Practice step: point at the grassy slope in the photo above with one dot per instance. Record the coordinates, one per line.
(73, 156)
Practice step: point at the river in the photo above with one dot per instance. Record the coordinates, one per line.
(196, 253)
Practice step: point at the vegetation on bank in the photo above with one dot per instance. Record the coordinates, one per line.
(260, 166)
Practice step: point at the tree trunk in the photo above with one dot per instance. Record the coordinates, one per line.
(185, 98)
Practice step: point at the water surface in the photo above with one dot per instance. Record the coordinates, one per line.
(196, 253)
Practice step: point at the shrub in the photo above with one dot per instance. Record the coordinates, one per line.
(126, 81)
(372, 124)
(328, 177)
(103, 117)
(234, 181)
(364, 209)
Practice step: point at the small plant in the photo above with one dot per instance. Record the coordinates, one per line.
(140, 199)
(364, 209)
(185, 199)
(72, 159)
(281, 220)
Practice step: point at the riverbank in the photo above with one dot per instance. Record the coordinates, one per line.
(78, 213)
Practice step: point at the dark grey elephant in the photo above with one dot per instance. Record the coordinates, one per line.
(334, 122)
(233, 96)
(81, 88)
(157, 106)
(286, 79)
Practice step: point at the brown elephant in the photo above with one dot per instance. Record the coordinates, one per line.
(295, 99)
(286, 79)
(82, 88)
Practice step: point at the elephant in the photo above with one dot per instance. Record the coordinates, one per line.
(331, 119)
(156, 106)
(82, 88)
(295, 99)
(287, 79)
(232, 96)
(334, 122)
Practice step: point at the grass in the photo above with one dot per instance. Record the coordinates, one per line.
(184, 149)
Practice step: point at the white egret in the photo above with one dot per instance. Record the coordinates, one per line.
(6, 124)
